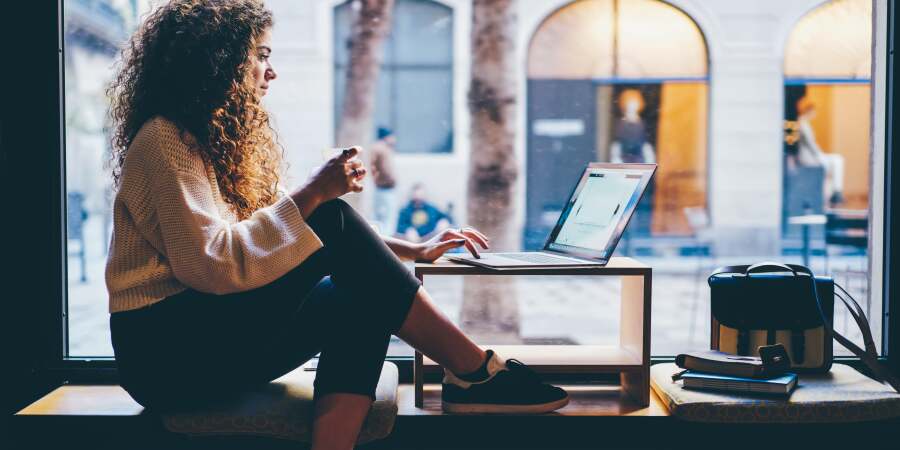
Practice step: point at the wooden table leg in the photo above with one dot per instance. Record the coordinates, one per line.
(418, 367)
(635, 334)
(637, 385)
(419, 381)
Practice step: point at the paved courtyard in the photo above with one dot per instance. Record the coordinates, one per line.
(545, 310)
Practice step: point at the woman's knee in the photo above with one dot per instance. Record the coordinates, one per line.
(329, 217)
(339, 215)
(335, 205)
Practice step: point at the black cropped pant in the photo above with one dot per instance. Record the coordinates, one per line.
(345, 301)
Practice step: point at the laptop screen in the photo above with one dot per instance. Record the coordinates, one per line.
(599, 209)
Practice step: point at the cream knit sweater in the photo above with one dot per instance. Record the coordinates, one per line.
(172, 230)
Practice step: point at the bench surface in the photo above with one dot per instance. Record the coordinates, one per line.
(106, 415)
(106, 401)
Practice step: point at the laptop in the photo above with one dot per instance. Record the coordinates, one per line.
(590, 225)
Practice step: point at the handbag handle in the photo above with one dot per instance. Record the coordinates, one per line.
(769, 267)
(763, 267)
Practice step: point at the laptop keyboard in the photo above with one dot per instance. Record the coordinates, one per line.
(537, 258)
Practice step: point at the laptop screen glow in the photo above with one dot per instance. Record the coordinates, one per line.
(593, 220)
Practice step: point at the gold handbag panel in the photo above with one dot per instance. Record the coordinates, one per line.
(814, 348)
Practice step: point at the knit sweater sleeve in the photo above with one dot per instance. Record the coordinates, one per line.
(211, 254)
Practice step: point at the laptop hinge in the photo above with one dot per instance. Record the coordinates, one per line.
(579, 258)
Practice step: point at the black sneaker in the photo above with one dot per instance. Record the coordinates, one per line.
(511, 388)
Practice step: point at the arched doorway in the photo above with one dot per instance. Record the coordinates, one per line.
(612, 80)
(827, 108)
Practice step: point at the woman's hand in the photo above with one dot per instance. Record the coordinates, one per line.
(338, 176)
(451, 238)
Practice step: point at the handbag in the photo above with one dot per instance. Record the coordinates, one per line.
(772, 303)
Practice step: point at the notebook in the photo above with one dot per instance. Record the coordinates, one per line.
(782, 385)
(774, 361)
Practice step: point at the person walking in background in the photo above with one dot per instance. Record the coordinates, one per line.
(420, 219)
(809, 154)
(384, 176)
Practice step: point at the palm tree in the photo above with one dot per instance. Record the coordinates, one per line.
(489, 305)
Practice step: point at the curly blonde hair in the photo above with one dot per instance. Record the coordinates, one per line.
(189, 62)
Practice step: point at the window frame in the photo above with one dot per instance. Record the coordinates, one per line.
(39, 309)
(891, 340)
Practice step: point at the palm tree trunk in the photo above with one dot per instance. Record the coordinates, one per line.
(371, 25)
(489, 308)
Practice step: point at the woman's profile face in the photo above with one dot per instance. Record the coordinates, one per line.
(261, 68)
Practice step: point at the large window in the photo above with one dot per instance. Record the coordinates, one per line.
(727, 101)
(636, 100)
(94, 32)
(828, 145)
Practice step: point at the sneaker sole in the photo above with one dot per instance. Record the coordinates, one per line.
(493, 408)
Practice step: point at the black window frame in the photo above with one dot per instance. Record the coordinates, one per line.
(891, 339)
(32, 152)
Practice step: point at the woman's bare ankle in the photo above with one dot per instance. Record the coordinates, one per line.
(472, 363)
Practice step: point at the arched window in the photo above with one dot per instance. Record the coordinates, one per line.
(622, 81)
(833, 41)
(415, 85)
(827, 65)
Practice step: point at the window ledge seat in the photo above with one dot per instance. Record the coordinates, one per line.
(597, 415)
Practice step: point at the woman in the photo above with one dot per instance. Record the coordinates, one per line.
(218, 281)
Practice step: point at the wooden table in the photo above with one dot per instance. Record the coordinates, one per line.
(630, 358)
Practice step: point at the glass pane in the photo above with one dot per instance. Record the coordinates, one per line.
(601, 80)
(657, 40)
(94, 31)
(538, 312)
(423, 127)
(608, 39)
(585, 30)
(343, 20)
(422, 33)
(385, 109)
(344, 16)
(420, 41)
(844, 52)
(827, 148)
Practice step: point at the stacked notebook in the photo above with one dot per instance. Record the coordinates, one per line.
(720, 371)
(782, 385)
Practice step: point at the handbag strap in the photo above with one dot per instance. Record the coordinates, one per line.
(869, 355)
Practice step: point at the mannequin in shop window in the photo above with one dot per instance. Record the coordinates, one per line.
(809, 154)
(630, 144)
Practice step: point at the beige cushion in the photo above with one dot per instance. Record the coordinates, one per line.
(842, 395)
(283, 409)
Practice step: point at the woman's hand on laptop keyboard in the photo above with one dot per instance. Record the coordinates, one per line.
(451, 238)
